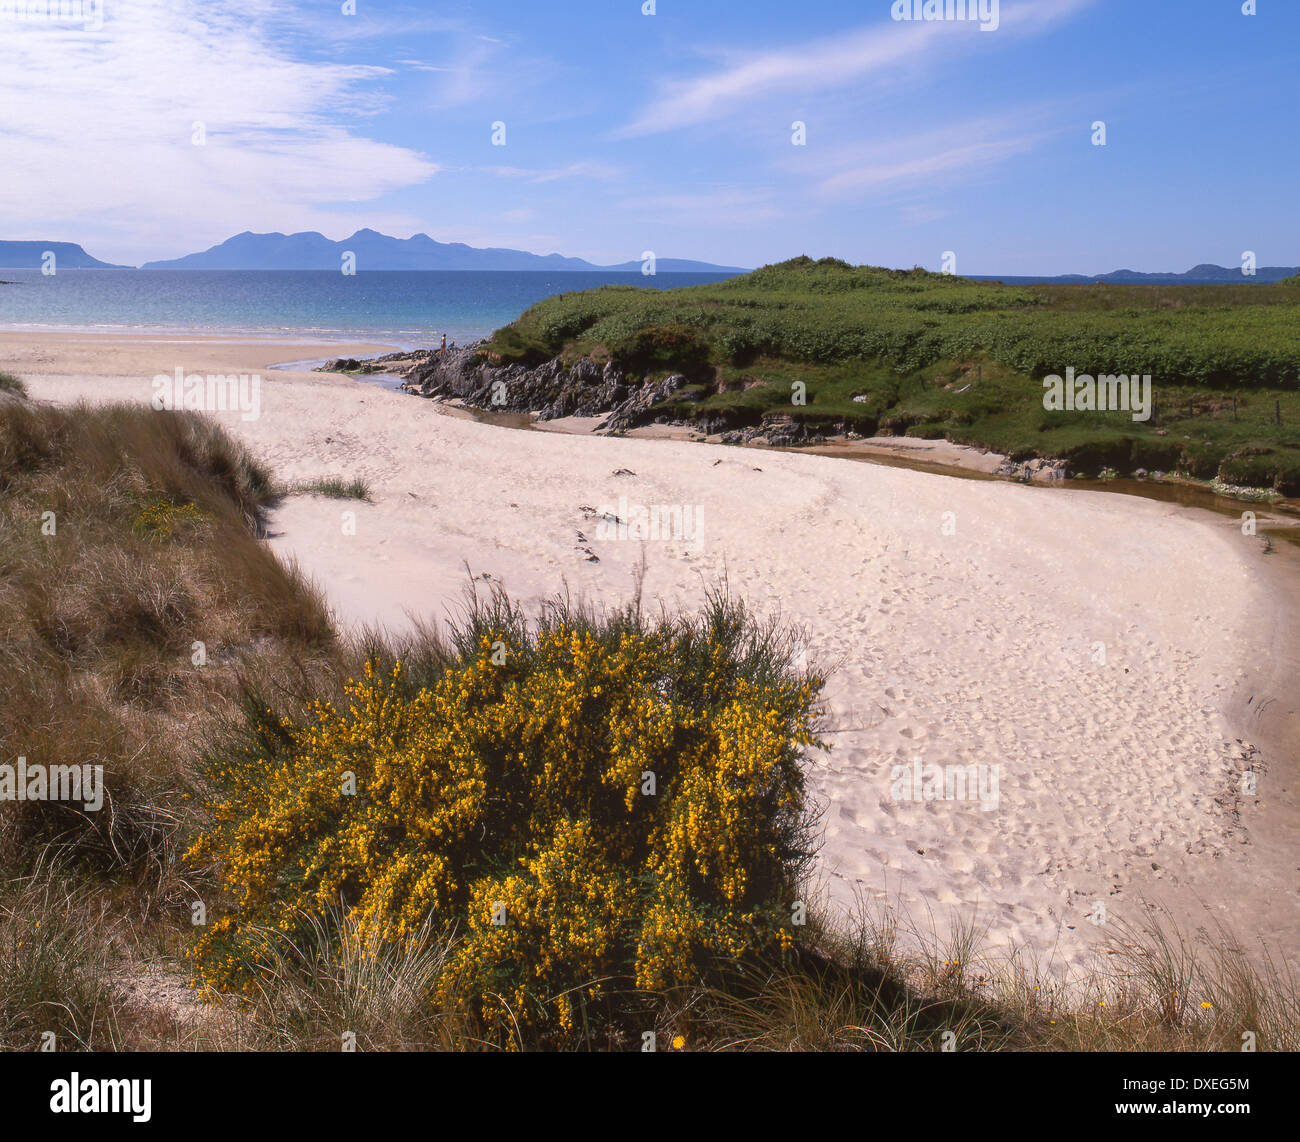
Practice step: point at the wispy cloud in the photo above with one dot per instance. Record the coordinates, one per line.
(827, 64)
(809, 67)
(471, 72)
(420, 65)
(586, 169)
(893, 164)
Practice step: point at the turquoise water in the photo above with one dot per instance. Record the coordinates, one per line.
(411, 308)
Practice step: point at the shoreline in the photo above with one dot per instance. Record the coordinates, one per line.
(972, 650)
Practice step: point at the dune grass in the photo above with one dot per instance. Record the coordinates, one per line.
(134, 594)
(13, 385)
(334, 487)
(130, 545)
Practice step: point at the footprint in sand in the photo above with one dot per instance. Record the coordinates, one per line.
(960, 862)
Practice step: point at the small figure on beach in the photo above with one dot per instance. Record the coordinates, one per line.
(444, 344)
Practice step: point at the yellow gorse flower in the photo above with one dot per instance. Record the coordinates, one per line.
(585, 813)
(161, 519)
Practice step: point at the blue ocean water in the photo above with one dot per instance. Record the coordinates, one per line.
(408, 308)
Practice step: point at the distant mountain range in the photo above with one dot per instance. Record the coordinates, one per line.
(67, 256)
(1204, 274)
(375, 251)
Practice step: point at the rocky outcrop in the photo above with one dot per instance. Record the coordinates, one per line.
(396, 364)
(1034, 471)
(585, 388)
(552, 390)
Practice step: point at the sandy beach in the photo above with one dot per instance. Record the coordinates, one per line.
(1102, 659)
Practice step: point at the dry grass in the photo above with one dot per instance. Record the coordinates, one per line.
(133, 592)
(127, 539)
(893, 986)
(330, 985)
(54, 967)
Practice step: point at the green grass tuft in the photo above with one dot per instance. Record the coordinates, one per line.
(332, 486)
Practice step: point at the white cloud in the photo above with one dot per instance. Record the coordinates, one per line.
(831, 63)
(809, 67)
(587, 168)
(96, 130)
(472, 73)
(910, 162)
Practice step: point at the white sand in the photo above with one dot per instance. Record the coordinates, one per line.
(976, 647)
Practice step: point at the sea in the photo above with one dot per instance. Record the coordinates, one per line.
(409, 309)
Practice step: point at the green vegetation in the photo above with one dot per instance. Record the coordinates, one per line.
(332, 486)
(932, 355)
(11, 384)
(151, 551)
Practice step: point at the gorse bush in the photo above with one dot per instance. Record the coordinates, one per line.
(592, 806)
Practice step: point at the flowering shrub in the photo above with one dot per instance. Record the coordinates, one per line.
(590, 806)
(159, 520)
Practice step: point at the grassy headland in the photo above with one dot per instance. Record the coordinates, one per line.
(916, 353)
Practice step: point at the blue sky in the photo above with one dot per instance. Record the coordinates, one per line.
(670, 132)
